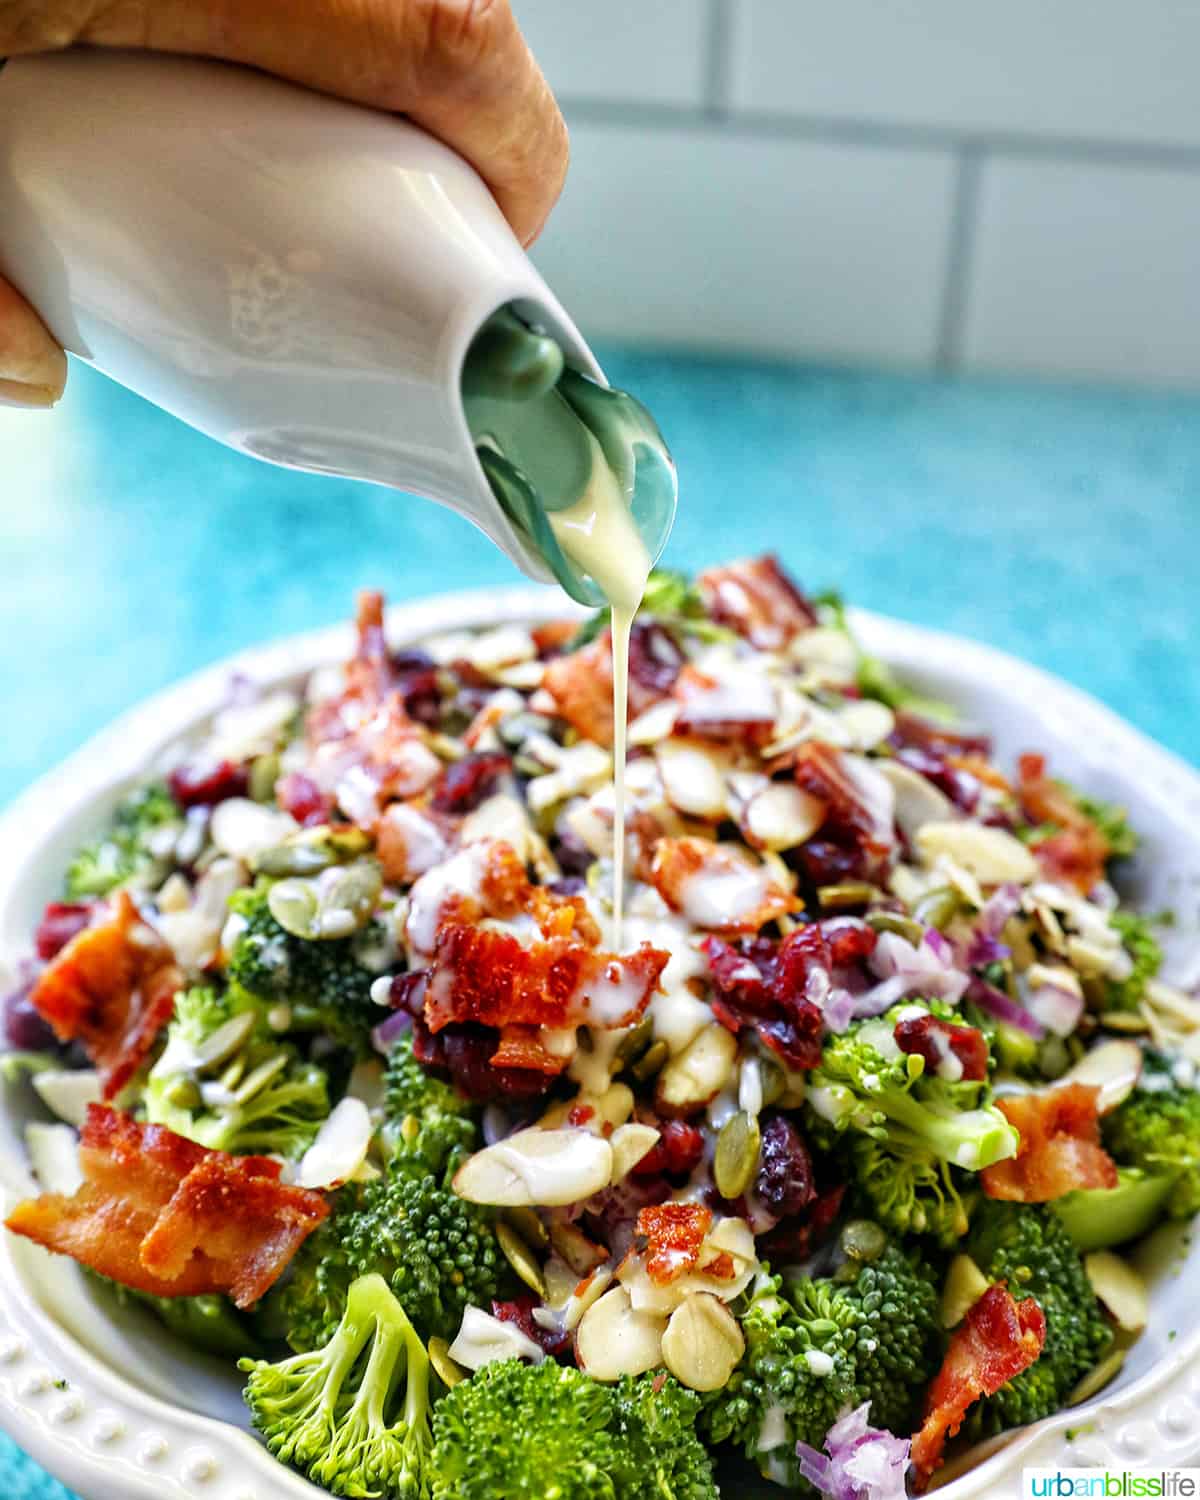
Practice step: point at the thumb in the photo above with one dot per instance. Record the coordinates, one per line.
(33, 369)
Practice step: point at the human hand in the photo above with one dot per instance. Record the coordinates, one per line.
(458, 68)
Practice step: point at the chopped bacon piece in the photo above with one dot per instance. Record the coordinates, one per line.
(165, 1216)
(996, 1340)
(717, 887)
(742, 710)
(1078, 851)
(554, 635)
(755, 597)
(491, 977)
(927, 734)
(113, 989)
(410, 841)
(673, 1233)
(982, 770)
(465, 1054)
(61, 921)
(938, 1041)
(582, 686)
(1060, 1146)
(520, 1047)
(858, 808)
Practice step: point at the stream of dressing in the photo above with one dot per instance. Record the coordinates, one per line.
(598, 534)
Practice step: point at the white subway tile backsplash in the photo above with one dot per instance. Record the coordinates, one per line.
(1088, 270)
(1115, 70)
(623, 50)
(699, 238)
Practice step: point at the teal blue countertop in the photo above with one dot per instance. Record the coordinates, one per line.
(1058, 524)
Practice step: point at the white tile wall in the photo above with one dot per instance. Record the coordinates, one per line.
(648, 51)
(790, 247)
(1119, 70)
(925, 182)
(1086, 270)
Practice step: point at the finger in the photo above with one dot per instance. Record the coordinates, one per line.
(33, 369)
(460, 68)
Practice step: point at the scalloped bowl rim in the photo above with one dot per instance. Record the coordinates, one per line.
(109, 1439)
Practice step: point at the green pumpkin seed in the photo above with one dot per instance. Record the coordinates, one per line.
(847, 894)
(259, 1078)
(264, 773)
(529, 1226)
(519, 1256)
(892, 921)
(444, 1367)
(288, 859)
(294, 905)
(225, 1041)
(1097, 1377)
(635, 1041)
(651, 1061)
(937, 908)
(736, 1159)
(774, 1080)
(862, 1239)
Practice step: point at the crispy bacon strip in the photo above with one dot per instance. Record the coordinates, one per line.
(1060, 1146)
(996, 1340)
(674, 1233)
(716, 887)
(755, 597)
(856, 808)
(490, 977)
(581, 684)
(112, 987)
(1078, 852)
(165, 1216)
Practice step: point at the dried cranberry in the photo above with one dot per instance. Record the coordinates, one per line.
(677, 1151)
(912, 730)
(464, 785)
(736, 977)
(827, 862)
(200, 783)
(300, 795)
(848, 939)
(554, 1342)
(932, 1038)
(573, 855)
(962, 788)
(462, 1053)
(408, 992)
(24, 1028)
(785, 1171)
(569, 885)
(654, 657)
(61, 921)
(795, 1239)
(796, 1038)
(417, 681)
(780, 1003)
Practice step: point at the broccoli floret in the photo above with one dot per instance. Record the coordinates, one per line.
(1144, 950)
(207, 1322)
(322, 982)
(1028, 1247)
(227, 1081)
(864, 1083)
(125, 852)
(910, 1192)
(1158, 1130)
(897, 1350)
(527, 1432)
(1111, 820)
(353, 1415)
(658, 1451)
(797, 1374)
(430, 1125)
(438, 1254)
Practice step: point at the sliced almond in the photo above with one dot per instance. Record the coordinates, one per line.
(655, 724)
(536, 1167)
(698, 1074)
(918, 801)
(965, 1284)
(1120, 1288)
(693, 778)
(611, 1108)
(243, 828)
(1098, 1377)
(629, 1144)
(54, 1157)
(702, 1344)
(585, 1295)
(340, 1147)
(990, 854)
(1112, 1067)
(613, 1340)
(867, 722)
(67, 1093)
(481, 1339)
(581, 1254)
(781, 816)
(521, 1258)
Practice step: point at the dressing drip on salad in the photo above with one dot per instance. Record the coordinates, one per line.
(827, 1165)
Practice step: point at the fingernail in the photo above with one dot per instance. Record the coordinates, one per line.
(22, 393)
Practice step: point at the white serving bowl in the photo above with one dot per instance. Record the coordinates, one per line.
(111, 1405)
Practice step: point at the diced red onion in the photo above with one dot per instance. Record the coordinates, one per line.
(1001, 905)
(863, 1463)
(925, 970)
(1057, 1009)
(996, 1003)
(385, 1036)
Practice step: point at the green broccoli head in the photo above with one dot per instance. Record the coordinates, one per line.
(1158, 1130)
(354, 1414)
(1028, 1247)
(898, 1333)
(798, 1372)
(430, 1126)
(321, 982)
(1145, 954)
(126, 852)
(1112, 821)
(527, 1432)
(908, 1191)
(658, 1451)
(226, 1080)
(865, 1083)
(438, 1254)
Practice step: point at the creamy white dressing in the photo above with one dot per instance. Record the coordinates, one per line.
(598, 534)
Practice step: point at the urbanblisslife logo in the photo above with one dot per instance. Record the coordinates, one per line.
(1112, 1484)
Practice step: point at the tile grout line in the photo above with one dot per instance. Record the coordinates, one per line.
(960, 253)
(717, 59)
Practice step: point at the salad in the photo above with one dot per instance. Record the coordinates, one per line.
(822, 1166)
